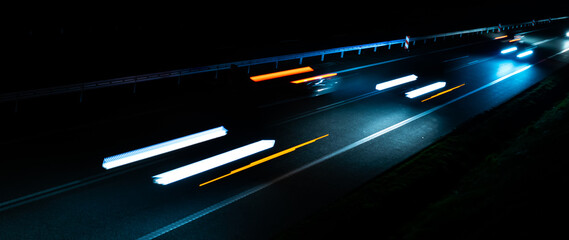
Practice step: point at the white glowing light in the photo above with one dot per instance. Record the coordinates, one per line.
(526, 53)
(567, 34)
(396, 82)
(212, 162)
(509, 50)
(429, 88)
(160, 148)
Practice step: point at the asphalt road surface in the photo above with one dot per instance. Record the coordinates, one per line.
(332, 143)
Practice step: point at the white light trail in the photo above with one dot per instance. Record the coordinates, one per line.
(426, 89)
(164, 147)
(395, 82)
(212, 162)
(508, 50)
(523, 54)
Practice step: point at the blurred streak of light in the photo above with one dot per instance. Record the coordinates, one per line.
(314, 78)
(426, 89)
(524, 54)
(441, 93)
(396, 82)
(284, 73)
(265, 159)
(508, 50)
(212, 162)
(164, 147)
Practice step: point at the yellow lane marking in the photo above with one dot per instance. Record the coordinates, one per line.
(441, 93)
(265, 159)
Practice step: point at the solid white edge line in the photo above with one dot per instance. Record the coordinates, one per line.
(161, 231)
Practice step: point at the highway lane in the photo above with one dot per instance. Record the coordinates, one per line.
(264, 199)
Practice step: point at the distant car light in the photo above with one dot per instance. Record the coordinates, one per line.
(509, 50)
(524, 54)
(567, 34)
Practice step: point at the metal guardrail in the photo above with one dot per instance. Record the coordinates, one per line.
(80, 87)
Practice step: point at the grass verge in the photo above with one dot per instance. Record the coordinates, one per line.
(501, 174)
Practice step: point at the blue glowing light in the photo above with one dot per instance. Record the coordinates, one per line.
(160, 148)
(212, 162)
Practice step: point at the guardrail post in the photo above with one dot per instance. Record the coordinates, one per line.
(435, 39)
(300, 62)
(248, 69)
(359, 51)
(389, 46)
(276, 64)
(322, 58)
(374, 49)
(342, 54)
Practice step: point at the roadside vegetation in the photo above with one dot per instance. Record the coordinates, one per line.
(502, 174)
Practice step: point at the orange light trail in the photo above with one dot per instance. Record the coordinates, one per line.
(515, 40)
(284, 73)
(264, 159)
(441, 93)
(314, 78)
(500, 37)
